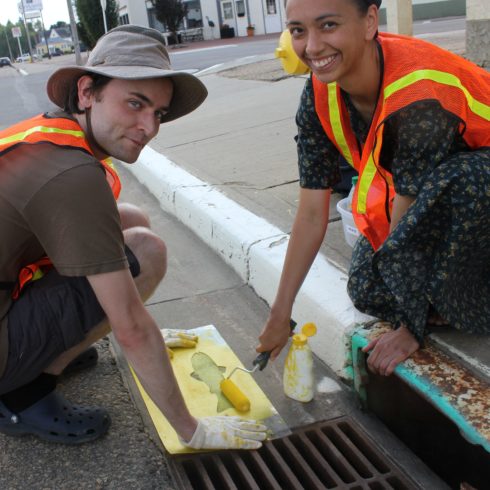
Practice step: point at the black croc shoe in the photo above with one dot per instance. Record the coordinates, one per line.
(85, 360)
(55, 419)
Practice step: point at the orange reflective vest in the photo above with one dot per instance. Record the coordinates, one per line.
(61, 132)
(413, 70)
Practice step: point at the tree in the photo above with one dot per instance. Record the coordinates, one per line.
(7, 39)
(90, 15)
(170, 13)
(58, 24)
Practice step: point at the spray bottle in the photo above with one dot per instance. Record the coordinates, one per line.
(298, 377)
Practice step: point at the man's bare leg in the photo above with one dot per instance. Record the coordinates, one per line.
(151, 253)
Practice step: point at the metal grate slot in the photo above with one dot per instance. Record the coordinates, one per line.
(396, 483)
(278, 466)
(377, 486)
(348, 451)
(197, 474)
(332, 455)
(316, 461)
(239, 471)
(258, 468)
(298, 464)
(329, 455)
(360, 444)
(218, 473)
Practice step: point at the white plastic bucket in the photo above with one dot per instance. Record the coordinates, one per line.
(351, 233)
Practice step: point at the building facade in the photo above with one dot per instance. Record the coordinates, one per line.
(266, 16)
(213, 16)
(59, 41)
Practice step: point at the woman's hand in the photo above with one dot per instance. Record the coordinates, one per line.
(389, 349)
(274, 336)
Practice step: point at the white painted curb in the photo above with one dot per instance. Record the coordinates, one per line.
(255, 249)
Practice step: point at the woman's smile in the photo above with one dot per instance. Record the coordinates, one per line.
(324, 63)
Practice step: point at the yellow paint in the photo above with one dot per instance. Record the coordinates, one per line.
(235, 395)
(187, 343)
(201, 402)
(207, 371)
(298, 370)
(309, 329)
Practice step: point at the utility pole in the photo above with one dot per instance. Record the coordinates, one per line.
(8, 44)
(74, 33)
(27, 30)
(44, 34)
(103, 4)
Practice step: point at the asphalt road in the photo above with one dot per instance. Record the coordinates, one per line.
(24, 96)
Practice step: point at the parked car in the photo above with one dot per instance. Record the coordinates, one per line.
(27, 57)
(4, 61)
(56, 52)
(23, 58)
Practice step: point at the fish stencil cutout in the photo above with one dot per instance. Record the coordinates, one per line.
(207, 371)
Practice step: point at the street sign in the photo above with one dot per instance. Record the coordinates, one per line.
(33, 15)
(16, 32)
(29, 6)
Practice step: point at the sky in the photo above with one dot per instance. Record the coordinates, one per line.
(53, 11)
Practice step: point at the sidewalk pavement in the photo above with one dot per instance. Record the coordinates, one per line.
(228, 171)
(234, 184)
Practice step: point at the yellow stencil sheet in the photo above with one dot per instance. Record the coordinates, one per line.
(200, 401)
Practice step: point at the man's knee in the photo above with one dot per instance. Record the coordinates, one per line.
(132, 216)
(149, 249)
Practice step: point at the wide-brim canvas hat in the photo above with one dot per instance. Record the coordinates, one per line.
(132, 53)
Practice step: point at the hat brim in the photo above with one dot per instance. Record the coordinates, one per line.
(189, 92)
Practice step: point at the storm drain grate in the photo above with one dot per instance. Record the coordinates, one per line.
(331, 454)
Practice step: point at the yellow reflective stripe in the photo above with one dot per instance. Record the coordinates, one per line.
(110, 163)
(444, 78)
(336, 123)
(364, 184)
(37, 275)
(39, 129)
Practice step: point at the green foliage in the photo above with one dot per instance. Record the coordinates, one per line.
(6, 33)
(60, 23)
(91, 19)
(170, 13)
(83, 35)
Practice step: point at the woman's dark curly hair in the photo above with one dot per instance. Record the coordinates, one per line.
(362, 5)
(71, 100)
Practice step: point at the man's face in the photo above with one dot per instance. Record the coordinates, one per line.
(126, 114)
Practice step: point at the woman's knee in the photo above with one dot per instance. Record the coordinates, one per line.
(132, 216)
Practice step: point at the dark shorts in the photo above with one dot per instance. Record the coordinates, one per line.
(52, 315)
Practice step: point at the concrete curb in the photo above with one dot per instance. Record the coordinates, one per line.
(255, 249)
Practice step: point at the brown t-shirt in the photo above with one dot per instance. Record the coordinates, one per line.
(55, 201)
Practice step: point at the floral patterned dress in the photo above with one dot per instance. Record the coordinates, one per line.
(438, 256)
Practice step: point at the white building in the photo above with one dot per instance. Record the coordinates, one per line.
(267, 16)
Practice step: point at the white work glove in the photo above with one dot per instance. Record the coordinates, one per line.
(178, 338)
(222, 432)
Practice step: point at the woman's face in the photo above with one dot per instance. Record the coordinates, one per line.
(331, 37)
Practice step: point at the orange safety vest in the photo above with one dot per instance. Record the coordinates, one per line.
(414, 70)
(61, 132)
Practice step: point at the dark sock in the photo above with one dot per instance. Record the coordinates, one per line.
(25, 396)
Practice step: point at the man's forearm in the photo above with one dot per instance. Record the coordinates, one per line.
(143, 345)
(148, 357)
